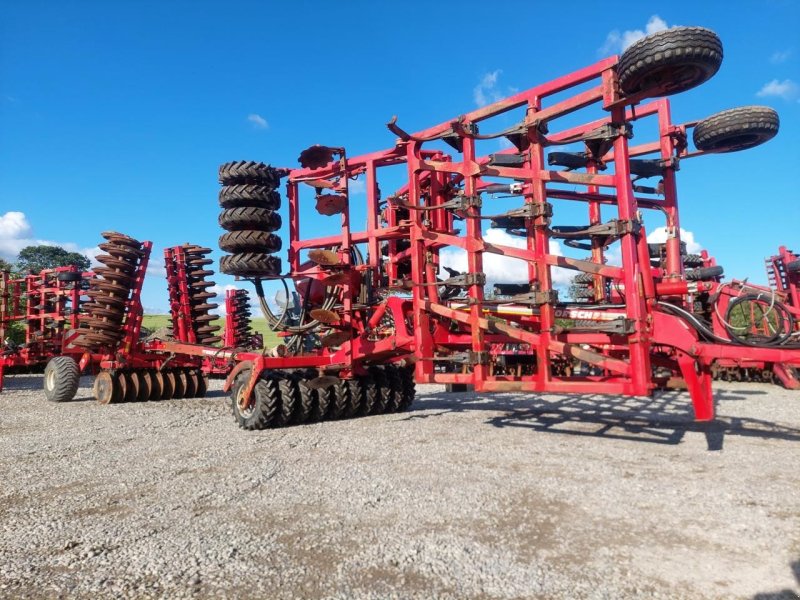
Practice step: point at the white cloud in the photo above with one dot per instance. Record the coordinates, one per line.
(219, 293)
(617, 42)
(257, 121)
(486, 91)
(786, 89)
(16, 233)
(780, 56)
(659, 236)
(502, 269)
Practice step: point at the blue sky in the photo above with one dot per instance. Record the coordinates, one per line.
(115, 115)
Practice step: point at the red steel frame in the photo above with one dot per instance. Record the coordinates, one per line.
(430, 329)
(785, 282)
(25, 299)
(131, 352)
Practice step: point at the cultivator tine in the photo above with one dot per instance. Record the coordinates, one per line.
(335, 339)
(326, 258)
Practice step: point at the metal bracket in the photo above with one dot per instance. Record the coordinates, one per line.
(618, 326)
(465, 280)
(613, 228)
(469, 357)
(460, 202)
(536, 298)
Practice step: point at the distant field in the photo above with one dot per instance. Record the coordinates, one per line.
(259, 326)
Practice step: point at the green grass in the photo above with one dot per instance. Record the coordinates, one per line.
(259, 325)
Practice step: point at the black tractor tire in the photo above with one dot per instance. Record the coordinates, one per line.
(69, 277)
(325, 399)
(231, 196)
(395, 384)
(793, 267)
(341, 400)
(61, 379)
(409, 388)
(670, 61)
(374, 401)
(290, 400)
(248, 171)
(357, 405)
(693, 260)
(704, 273)
(249, 217)
(250, 264)
(584, 278)
(250, 240)
(736, 129)
(308, 408)
(264, 407)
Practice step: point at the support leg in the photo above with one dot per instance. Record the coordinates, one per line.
(699, 386)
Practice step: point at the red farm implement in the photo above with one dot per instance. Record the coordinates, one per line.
(637, 330)
(369, 312)
(42, 307)
(106, 338)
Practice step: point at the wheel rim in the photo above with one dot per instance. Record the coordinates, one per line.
(244, 407)
(50, 381)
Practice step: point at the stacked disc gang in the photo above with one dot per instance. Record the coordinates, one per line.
(238, 333)
(249, 200)
(189, 291)
(109, 289)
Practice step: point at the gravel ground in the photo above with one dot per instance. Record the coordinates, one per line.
(505, 496)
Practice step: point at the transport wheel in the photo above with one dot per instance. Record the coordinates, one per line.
(169, 385)
(357, 405)
(69, 277)
(704, 273)
(145, 385)
(409, 387)
(250, 240)
(106, 389)
(341, 400)
(248, 171)
(385, 393)
(395, 384)
(373, 403)
(235, 196)
(250, 264)
(61, 379)
(325, 397)
(793, 267)
(693, 260)
(290, 400)
(670, 61)
(736, 129)
(191, 383)
(157, 380)
(262, 410)
(249, 217)
(308, 410)
(180, 384)
(132, 387)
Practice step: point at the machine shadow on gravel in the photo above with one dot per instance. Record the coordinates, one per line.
(663, 419)
(783, 594)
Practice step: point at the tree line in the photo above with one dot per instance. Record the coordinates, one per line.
(33, 259)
